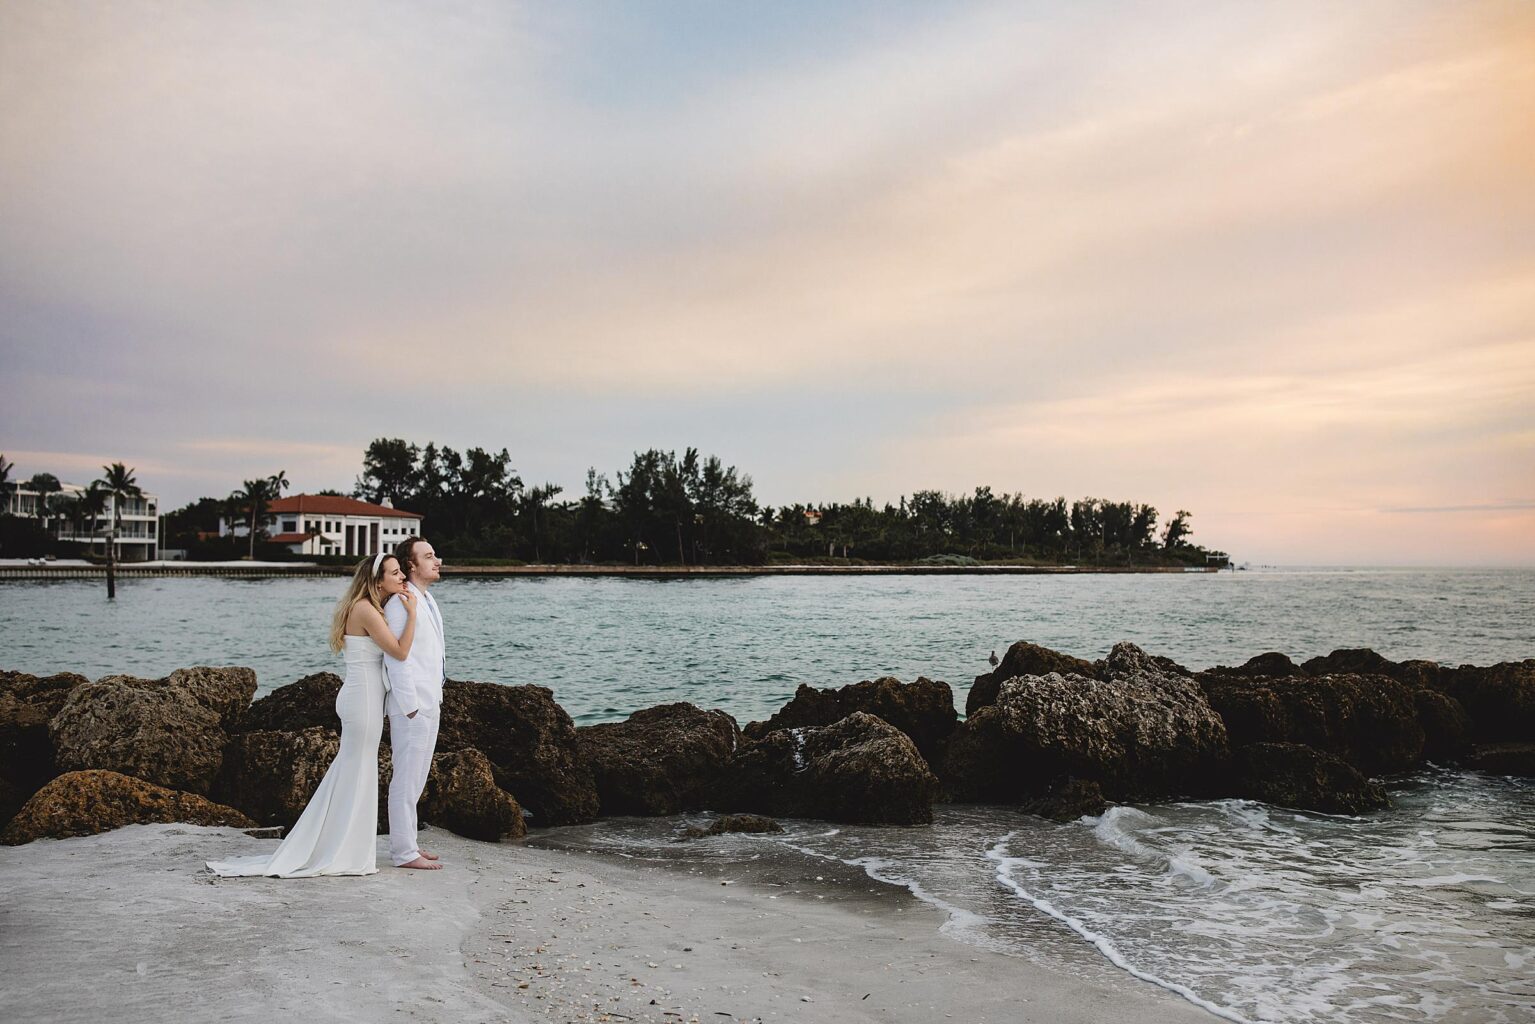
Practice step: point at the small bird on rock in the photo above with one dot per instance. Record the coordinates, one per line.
(993, 659)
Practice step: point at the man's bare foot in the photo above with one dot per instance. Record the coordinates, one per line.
(428, 854)
(422, 864)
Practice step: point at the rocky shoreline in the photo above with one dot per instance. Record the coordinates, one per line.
(1050, 733)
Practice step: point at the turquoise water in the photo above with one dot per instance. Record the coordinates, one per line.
(1424, 912)
(610, 646)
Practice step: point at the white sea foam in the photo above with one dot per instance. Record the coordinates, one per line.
(961, 923)
(1101, 942)
(1117, 827)
(1443, 880)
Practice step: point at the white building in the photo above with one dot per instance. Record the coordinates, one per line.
(324, 524)
(138, 536)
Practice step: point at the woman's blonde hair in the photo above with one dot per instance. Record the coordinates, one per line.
(365, 585)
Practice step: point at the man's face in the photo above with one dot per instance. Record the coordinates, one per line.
(425, 566)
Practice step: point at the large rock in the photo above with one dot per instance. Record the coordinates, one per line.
(1505, 759)
(87, 802)
(1355, 661)
(661, 760)
(862, 769)
(305, 704)
(859, 770)
(158, 730)
(923, 710)
(1371, 721)
(271, 776)
(226, 691)
(531, 743)
(45, 693)
(1067, 800)
(750, 824)
(1143, 731)
(1447, 729)
(462, 797)
(1499, 698)
(27, 703)
(1271, 663)
(1296, 776)
(1023, 659)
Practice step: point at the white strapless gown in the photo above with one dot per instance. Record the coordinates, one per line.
(337, 833)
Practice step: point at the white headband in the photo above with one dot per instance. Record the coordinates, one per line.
(378, 560)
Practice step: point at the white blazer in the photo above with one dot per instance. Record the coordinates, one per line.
(415, 684)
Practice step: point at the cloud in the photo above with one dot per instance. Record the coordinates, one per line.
(1237, 258)
(1509, 506)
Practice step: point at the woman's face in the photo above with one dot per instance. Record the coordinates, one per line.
(392, 580)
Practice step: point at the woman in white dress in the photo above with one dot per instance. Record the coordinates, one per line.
(337, 833)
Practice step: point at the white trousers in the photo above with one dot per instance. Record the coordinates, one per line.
(412, 741)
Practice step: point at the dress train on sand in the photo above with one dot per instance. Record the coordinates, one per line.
(338, 832)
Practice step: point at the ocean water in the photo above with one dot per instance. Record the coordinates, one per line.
(610, 646)
(1423, 912)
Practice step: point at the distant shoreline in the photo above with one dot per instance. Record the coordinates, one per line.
(236, 570)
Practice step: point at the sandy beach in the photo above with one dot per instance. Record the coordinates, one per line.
(129, 926)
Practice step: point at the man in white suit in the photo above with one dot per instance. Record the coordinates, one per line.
(415, 700)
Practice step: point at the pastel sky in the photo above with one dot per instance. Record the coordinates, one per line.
(1273, 263)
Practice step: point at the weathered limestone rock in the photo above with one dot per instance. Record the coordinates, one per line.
(164, 732)
(226, 691)
(923, 710)
(87, 802)
(1505, 759)
(1447, 729)
(1270, 664)
(1302, 777)
(462, 797)
(661, 760)
(531, 743)
(1067, 800)
(27, 703)
(1357, 661)
(1023, 659)
(301, 705)
(1142, 731)
(1371, 721)
(860, 770)
(271, 776)
(753, 824)
(1499, 698)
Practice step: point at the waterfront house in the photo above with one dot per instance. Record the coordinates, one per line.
(327, 524)
(138, 536)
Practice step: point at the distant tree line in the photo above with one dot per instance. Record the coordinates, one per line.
(694, 510)
(662, 510)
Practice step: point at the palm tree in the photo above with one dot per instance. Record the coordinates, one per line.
(119, 483)
(44, 484)
(63, 507)
(252, 497)
(89, 507)
(5, 477)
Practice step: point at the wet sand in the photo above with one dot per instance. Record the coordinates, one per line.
(128, 926)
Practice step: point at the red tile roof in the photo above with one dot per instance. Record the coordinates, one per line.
(290, 538)
(331, 505)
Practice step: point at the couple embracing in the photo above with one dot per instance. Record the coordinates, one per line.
(390, 630)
